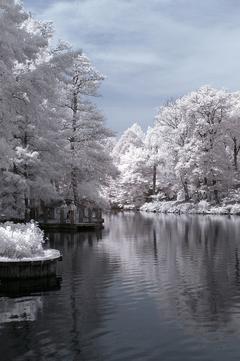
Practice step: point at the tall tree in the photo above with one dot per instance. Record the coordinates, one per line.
(90, 165)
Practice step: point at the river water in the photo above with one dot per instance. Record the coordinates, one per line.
(148, 287)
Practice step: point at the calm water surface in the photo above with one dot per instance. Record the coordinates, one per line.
(150, 287)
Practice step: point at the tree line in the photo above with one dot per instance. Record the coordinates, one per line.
(190, 154)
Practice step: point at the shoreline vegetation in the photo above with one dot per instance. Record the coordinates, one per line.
(180, 207)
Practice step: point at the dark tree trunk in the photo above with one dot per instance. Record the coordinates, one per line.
(235, 154)
(74, 184)
(154, 178)
(26, 197)
(27, 209)
(186, 192)
(215, 192)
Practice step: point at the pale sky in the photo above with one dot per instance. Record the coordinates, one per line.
(150, 50)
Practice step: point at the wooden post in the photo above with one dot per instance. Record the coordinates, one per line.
(154, 178)
(85, 214)
(94, 214)
(89, 215)
(72, 216)
(62, 216)
(37, 213)
(45, 215)
(80, 214)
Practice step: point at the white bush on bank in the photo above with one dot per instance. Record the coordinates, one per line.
(19, 241)
(203, 207)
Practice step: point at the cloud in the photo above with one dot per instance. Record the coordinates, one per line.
(150, 50)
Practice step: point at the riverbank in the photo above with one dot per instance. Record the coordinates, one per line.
(202, 207)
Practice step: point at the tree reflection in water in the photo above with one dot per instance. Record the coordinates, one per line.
(196, 263)
(144, 289)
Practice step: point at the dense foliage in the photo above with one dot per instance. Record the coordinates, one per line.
(21, 240)
(52, 137)
(190, 154)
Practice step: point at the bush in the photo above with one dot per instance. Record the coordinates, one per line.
(21, 240)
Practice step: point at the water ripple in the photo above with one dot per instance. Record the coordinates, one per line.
(149, 288)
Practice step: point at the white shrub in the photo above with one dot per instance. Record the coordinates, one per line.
(21, 240)
(203, 206)
(235, 209)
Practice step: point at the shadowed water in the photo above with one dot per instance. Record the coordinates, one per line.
(150, 287)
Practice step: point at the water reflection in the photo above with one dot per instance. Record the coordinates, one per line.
(16, 288)
(149, 287)
(189, 250)
(19, 310)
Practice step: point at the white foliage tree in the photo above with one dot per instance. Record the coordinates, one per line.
(51, 136)
(192, 149)
(132, 159)
(90, 166)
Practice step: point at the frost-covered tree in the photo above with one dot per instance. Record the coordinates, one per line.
(133, 136)
(156, 158)
(172, 134)
(51, 136)
(192, 149)
(22, 45)
(193, 129)
(207, 165)
(90, 166)
(132, 186)
(232, 128)
(132, 158)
